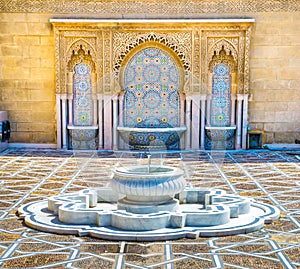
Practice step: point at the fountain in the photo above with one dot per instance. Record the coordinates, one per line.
(220, 130)
(148, 202)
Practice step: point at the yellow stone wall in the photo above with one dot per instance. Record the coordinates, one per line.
(275, 76)
(27, 78)
(27, 75)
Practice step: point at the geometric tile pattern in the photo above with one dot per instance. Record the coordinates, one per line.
(271, 177)
(221, 89)
(83, 103)
(220, 109)
(151, 81)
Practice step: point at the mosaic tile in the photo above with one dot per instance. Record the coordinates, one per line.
(152, 83)
(220, 103)
(83, 103)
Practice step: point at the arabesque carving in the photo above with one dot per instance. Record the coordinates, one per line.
(194, 43)
(223, 57)
(81, 56)
(157, 8)
(180, 42)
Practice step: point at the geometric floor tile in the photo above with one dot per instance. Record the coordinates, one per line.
(271, 177)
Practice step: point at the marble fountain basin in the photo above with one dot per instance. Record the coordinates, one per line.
(148, 189)
(151, 138)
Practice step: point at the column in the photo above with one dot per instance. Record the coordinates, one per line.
(232, 115)
(240, 98)
(202, 125)
(245, 122)
(58, 122)
(94, 96)
(70, 96)
(107, 122)
(121, 123)
(95, 114)
(115, 122)
(64, 120)
(182, 101)
(188, 123)
(70, 106)
(100, 122)
(195, 122)
(208, 109)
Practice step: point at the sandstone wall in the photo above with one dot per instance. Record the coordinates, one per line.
(27, 74)
(275, 76)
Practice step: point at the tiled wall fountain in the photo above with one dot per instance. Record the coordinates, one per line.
(151, 108)
(175, 84)
(82, 127)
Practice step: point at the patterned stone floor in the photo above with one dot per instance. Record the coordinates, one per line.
(269, 176)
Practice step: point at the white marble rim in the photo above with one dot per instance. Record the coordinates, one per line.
(220, 127)
(151, 130)
(74, 127)
(131, 171)
(217, 20)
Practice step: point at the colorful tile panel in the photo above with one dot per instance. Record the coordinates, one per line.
(151, 83)
(82, 102)
(220, 103)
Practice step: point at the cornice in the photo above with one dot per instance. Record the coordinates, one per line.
(152, 8)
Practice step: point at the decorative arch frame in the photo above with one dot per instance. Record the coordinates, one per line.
(179, 42)
(78, 52)
(157, 45)
(224, 56)
(81, 44)
(225, 44)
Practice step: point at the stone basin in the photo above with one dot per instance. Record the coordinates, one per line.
(148, 189)
(83, 137)
(152, 138)
(220, 133)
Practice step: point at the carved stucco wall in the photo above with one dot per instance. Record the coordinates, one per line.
(27, 57)
(194, 43)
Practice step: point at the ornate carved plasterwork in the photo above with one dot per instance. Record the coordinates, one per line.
(194, 43)
(222, 57)
(156, 8)
(236, 44)
(107, 66)
(180, 42)
(229, 45)
(68, 44)
(81, 56)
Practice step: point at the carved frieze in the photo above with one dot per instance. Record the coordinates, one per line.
(156, 8)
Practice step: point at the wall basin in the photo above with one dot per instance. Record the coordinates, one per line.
(220, 133)
(152, 138)
(83, 137)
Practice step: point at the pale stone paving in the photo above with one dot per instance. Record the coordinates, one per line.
(268, 176)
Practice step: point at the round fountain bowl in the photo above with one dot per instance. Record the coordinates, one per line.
(142, 186)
